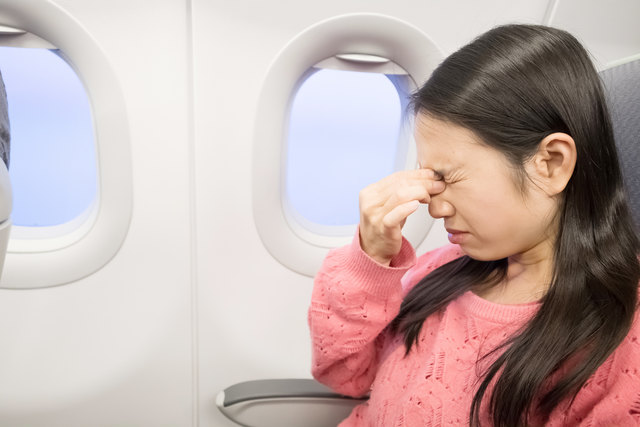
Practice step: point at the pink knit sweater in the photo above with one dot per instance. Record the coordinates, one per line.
(355, 298)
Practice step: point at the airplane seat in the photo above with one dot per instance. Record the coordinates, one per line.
(5, 182)
(297, 402)
(622, 88)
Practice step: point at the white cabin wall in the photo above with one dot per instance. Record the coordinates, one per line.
(114, 349)
(609, 30)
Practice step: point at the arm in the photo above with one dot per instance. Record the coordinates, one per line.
(357, 291)
(354, 299)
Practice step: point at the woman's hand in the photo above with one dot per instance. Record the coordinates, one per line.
(385, 206)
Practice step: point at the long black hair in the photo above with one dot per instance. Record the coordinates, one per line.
(513, 86)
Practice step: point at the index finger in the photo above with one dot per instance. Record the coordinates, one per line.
(425, 173)
(426, 178)
(413, 176)
(434, 182)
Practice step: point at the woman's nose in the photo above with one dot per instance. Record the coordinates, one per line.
(440, 208)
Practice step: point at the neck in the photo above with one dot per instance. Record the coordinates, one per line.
(527, 279)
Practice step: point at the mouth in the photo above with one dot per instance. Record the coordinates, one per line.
(456, 237)
(454, 231)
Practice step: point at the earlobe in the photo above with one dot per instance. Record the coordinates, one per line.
(555, 161)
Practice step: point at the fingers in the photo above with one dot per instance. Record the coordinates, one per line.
(400, 181)
(406, 194)
(436, 187)
(385, 206)
(401, 187)
(397, 216)
(409, 177)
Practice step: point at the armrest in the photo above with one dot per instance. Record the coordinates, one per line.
(284, 402)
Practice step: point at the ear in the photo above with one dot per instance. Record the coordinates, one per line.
(554, 162)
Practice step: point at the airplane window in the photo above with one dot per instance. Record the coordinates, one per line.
(344, 133)
(332, 118)
(70, 163)
(53, 160)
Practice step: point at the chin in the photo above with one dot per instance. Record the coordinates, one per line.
(480, 254)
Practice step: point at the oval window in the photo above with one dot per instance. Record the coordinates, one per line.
(331, 119)
(70, 163)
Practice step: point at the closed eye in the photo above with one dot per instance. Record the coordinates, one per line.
(453, 178)
(439, 174)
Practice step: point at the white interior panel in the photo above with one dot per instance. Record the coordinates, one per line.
(609, 29)
(114, 349)
(81, 246)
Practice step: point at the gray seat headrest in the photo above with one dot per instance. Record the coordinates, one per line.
(622, 88)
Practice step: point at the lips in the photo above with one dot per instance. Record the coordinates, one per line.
(456, 236)
(454, 231)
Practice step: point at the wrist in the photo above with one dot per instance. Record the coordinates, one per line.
(380, 259)
(386, 262)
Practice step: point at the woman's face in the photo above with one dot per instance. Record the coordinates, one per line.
(485, 211)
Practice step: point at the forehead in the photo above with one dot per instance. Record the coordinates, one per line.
(443, 145)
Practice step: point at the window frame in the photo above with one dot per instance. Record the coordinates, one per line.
(295, 246)
(62, 254)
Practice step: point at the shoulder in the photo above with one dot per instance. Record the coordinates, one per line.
(428, 262)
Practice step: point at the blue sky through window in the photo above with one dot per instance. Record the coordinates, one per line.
(343, 135)
(53, 161)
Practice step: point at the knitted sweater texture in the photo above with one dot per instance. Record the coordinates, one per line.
(355, 298)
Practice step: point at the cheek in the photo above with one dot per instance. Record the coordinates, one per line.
(493, 208)
(498, 227)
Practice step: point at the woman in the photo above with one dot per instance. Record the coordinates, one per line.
(530, 317)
